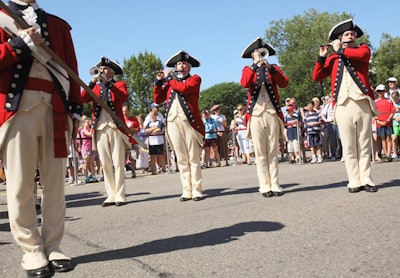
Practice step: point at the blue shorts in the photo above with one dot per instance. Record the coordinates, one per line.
(314, 140)
(384, 131)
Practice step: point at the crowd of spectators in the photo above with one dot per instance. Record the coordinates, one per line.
(313, 127)
(312, 137)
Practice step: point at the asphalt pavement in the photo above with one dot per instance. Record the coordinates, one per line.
(316, 229)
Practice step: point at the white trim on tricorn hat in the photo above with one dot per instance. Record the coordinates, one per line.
(256, 44)
(182, 55)
(108, 63)
(342, 27)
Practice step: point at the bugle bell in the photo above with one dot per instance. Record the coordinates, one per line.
(95, 71)
(264, 53)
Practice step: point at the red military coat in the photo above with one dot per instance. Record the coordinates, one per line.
(359, 58)
(250, 77)
(118, 93)
(189, 89)
(15, 55)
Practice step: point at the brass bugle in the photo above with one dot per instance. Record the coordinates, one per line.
(326, 44)
(164, 71)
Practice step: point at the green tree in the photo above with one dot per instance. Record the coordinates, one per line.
(297, 42)
(227, 95)
(386, 59)
(139, 74)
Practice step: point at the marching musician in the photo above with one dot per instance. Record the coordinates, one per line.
(352, 98)
(108, 139)
(39, 113)
(185, 129)
(264, 115)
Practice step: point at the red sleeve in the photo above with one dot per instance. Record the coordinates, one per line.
(188, 87)
(278, 77)
(322, 68)
(86, 96)
(361, 53)
(160, 93)
(120, 91)
(247, 78)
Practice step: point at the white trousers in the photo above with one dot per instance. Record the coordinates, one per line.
(353, 119)
(186, 144)
(111, 147)
(265, 130)
(29, 145)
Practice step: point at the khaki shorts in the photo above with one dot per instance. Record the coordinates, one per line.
(133, 151)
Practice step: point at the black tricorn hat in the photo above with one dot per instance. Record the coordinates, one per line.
(256, 44)
(342, 27)
(112, 65)
(182, 56)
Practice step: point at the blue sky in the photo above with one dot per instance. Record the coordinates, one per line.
(215, 32)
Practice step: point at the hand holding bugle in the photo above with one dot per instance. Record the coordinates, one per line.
(326, 45)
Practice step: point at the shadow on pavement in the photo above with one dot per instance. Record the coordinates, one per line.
(226, 191)
(389, 184)
(207, 238)
(316, 187)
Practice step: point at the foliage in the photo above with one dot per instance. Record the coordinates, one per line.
(386, 59)
(297, 42)
(227, 95)
(139, 74)
(87, 109)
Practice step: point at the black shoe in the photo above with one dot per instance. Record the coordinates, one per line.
(198, 198)
(387, 159)
(277, 193)
(118, 204)
(42, 272)
(183, 199)
(355, 189)
(62, 265)
(267, 194)
(107, 204)
(369, 188)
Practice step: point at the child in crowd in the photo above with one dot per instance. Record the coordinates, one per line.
(291, 121)
(87, 151)
(313, 121)
(384, 122)
(154, 129)
(211, 128)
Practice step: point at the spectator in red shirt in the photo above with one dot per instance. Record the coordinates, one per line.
(132, 153)
(384, 126)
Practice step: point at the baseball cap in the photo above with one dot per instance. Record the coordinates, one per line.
(380, 87)
(393, 79)
(215, 107)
